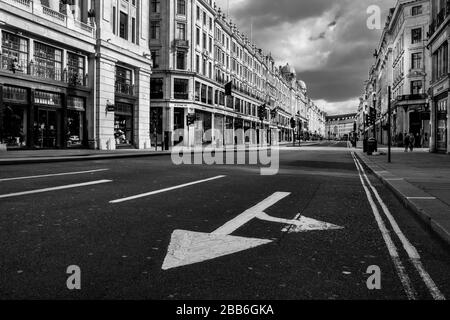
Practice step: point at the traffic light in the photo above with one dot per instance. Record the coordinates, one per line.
(229, 88)
(293, 123)
(262, 112)
(372, 116)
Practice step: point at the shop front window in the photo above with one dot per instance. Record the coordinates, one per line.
(47, 120)
(75, 122)
(15, 126)
(441, 127)
(123, 124)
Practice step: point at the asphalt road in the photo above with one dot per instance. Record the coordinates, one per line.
(121, 247)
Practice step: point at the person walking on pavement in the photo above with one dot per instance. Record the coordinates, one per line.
(412, 141)
(406, 141)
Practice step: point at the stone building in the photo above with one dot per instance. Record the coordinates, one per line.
(438, 38)
(74, 75)
(196, 51)
(403, 63)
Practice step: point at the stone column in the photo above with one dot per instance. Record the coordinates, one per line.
(106, 69)
(142, 110)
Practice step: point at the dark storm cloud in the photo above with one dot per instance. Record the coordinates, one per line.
(337, 31)
(272, 12)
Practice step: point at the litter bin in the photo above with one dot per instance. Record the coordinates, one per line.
(371, 146)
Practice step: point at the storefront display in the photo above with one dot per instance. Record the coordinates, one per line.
(15, 117)
(123, 124)
(75, 122)
(441, 125)
(47, 120)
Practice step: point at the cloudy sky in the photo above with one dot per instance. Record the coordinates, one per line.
(327, 41)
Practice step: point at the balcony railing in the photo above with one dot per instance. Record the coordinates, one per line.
(23, 67)
(47, 13)
(412, 97)
(181, 43)
(181, 96)
(124, 88)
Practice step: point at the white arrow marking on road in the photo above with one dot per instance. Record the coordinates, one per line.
(187, 247)
(304, 224)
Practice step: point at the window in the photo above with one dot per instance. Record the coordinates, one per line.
(156, 6)
(197, 91)
(133, 30)
(14, 49)
(416, 59)
(204, 19)
(197, 63)
(205, 44)
(155, 28)
(440, 62)
(48, 62)
(181, 60)
(198, 13)
(181, 7)
(123, 81)
(156, 88)
(416, 35)
(416, 87)
(181, 31)
(416, 10)
(75, 69)
(123, 26)
(155, 58)
(203, 93)
(181, 89)
(197, 36)
(210, 95)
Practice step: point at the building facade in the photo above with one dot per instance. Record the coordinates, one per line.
(196, 51)
(438, 38)
(74, 75)
(341, 126)
(403, 63)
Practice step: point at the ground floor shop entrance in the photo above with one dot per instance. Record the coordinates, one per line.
(441, 125)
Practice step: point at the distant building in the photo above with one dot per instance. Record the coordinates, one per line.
(340, 126)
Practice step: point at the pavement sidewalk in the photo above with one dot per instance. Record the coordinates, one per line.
(421, 180)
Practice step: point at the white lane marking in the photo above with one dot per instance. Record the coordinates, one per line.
(72, 186)
(250, 214)
(165, 190)
(53, 175)
(395, 179)
(407, 245)
(401, 272)
(421, 198)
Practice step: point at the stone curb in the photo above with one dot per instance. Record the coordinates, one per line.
(433, 212)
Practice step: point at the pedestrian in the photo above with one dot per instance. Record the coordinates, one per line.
(406, 141)
(412, 141)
